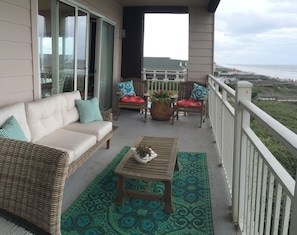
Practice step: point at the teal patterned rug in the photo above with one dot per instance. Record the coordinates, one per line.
(94, 212)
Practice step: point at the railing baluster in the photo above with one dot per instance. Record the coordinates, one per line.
(277, 207)
(263, 199)
(293, 226)
(254, 188)
(269, 204)
(258, 194)
(248, 193)
(286, 215)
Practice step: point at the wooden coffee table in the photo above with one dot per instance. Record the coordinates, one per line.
(160, 169)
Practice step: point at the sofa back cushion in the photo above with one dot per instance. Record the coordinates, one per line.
(50, 114)
(68, 108)
(18, 111)
(44, 116)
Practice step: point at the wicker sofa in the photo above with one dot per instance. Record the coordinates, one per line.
(55, 122)
(33, 171)
(32, 179)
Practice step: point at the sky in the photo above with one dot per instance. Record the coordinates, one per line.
(161, 39)
(246, 32)
(256, 32)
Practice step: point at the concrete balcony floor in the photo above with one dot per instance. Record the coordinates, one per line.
(191, 138)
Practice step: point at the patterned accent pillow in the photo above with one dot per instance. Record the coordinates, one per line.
(126, 88)
(12, 130)
(199, 92)
(88, 110)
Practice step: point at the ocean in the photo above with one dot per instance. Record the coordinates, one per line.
(284, 72)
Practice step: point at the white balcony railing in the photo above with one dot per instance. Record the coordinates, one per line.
(157, 85)
(164, 75)
(264, 199)
(163, 79)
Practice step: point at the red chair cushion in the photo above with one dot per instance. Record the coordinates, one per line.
(189, 103)
(133, 99)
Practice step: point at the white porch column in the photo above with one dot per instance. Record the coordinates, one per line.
(243, 92)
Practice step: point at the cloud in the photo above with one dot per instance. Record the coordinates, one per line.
(254, 32)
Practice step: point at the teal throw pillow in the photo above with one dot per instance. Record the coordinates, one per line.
(126, 88)
(88, 110)
(199, 92)
(11, 129)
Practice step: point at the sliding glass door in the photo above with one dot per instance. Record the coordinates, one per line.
(106, 65)
(70, 42)
(62, 50)
(102, 60)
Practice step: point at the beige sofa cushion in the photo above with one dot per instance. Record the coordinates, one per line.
(68, 108)
(74, 143)
(44, 116)
(47, 115)
(18, 111)
(98, 128)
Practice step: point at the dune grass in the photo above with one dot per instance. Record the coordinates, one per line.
(285, 113)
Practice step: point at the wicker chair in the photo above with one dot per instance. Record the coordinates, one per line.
(32, 179)
(140, 88)
(184, 94)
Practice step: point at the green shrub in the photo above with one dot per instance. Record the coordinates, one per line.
(286, 114)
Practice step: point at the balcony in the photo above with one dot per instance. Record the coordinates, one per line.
(251, 192)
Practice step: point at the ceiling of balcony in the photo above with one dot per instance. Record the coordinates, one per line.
(163, 2)
(212, 4)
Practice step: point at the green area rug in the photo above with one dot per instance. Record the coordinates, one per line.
(94, 212)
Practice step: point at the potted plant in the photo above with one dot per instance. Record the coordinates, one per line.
(143, 153)
(163, 96)
(161, 105)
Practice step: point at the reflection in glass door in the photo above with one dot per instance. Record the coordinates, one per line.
(66, 44)
(82, 73)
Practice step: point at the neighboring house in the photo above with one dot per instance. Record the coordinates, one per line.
(164, 63)
(50, 46)
(164, 67)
